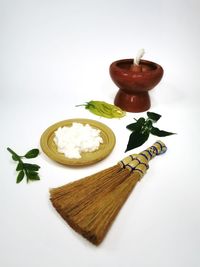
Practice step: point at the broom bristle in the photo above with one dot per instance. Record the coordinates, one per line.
(95, 219)
(92, 210)
(91, 179)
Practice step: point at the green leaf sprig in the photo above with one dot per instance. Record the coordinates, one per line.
(141, 130)
(30, 171)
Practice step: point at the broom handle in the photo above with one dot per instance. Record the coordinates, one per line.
(156, 149)
(140, 161)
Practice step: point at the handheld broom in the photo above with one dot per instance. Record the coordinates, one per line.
(91, 204)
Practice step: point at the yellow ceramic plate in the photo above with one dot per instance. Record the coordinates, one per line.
(50, 149)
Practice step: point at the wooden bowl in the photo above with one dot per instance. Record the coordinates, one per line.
(133, 86)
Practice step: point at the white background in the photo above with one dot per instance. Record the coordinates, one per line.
(55, 55)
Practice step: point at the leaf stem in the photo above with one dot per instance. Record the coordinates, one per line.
(82, 105)
(12, 152)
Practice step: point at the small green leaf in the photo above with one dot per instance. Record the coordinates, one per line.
(15, 158)
(33, 153)
(31, 167)
(153, 116)
(149, 123)
(132, 126)
(160, 133)
(19, 166)
(136, 126)
(137, 139)
(33, 176)
(20, 177)
(141, 121)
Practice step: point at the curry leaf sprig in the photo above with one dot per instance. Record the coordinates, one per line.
(141, 130)
(30, 171)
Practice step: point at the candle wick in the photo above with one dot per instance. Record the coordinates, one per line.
(139, 55)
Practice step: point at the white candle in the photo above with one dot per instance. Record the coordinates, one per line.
(139, 55)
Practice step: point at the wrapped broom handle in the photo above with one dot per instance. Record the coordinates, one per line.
(156, 149)
(139, 162)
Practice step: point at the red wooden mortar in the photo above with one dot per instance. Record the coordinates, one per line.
(133, 86)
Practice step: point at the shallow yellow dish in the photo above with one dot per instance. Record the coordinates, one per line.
(50, 149)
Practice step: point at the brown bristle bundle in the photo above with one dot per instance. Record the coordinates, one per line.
(90, 205)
